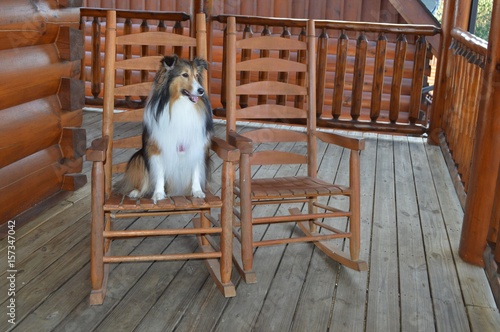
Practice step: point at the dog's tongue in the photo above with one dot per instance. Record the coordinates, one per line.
(191, 97)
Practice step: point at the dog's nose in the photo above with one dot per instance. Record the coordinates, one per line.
(201, 91)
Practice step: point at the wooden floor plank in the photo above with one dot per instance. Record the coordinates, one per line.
(351, 296)
(448, 303)
(383, 312)
(416, 304)
(321, 278)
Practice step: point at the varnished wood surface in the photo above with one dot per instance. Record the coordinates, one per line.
(411, 220)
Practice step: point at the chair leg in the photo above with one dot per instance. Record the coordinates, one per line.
(220, 270)
(98, 274)
(354, 202)
(246, 270)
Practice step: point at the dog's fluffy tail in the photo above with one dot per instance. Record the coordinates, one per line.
(135, 181)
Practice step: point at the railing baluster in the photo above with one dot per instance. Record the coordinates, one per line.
(161, 27)
(397, 77)
(301, 76)
(378, 77)
(144, 52)
(418, 78)
(178, 29)
(264, 76)
(283, 76)
(321, 71)
(359, 76)
(96, 58)
(127, 54)
(224, 63)
(340, 68)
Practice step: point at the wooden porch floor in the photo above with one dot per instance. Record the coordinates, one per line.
(411, 220)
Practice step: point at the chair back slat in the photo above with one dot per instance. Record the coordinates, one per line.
(143, 63)
(267, 135)
(133, 115)
(139, 89)
(277, 158)
(270, 88)
(271, 43)
(270, 111)
(154, 38)
(271, 64)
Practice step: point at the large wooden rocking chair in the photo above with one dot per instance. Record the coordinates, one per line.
(108, 207)
(269, 97)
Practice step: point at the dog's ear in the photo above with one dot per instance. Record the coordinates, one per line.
(200, 64)
(169, 61)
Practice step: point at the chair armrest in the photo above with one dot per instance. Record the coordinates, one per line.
(224, 150)
(97, 150)
(352, 143)
(244, 144)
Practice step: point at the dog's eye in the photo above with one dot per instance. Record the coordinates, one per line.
(185, 75)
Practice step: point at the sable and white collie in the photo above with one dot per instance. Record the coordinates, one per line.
(176, 136)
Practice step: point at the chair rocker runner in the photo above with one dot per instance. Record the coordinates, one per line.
(271, 98)
(109, 208)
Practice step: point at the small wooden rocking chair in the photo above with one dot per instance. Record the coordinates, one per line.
(270, 98)
(109, 207)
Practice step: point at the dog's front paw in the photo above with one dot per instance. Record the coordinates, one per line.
(158, 196)
(134, 194)
(198, 194)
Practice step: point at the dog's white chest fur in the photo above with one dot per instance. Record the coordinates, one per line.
(180, 135)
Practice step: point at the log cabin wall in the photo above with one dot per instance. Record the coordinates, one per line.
(41, 102)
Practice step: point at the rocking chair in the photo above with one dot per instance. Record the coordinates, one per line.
(109, 207)
(269, 98)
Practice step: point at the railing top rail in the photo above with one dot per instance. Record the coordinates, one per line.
(140, 14)
(413, 29)
(261, 20)
(469, 40)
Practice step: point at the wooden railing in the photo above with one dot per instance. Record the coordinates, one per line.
(466, 60)
(93, 24)
(370, 75)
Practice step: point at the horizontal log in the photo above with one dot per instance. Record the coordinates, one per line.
(72, 119)
(17, 170)
(28, 128)
(70, 3)
(33, 179)
(24, 24)
(32, 73)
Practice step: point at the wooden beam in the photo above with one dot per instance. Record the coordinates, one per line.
(485, 159)
(441, 72)
(414, 12)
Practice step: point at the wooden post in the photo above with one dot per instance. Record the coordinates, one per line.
(485, 159)
(441, 79)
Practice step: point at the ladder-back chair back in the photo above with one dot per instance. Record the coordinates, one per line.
(269, 96)
(111, 153)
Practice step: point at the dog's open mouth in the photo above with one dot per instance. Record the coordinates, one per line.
(191, 97)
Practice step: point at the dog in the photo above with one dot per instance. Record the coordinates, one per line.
(174, 158)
